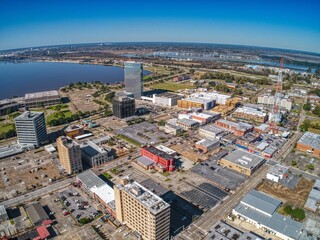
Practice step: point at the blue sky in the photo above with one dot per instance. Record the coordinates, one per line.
(281, 24)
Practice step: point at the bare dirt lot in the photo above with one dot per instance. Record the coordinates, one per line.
(295, 197)
(80, 102)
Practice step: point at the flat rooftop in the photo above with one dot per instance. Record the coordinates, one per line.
(169, 95)
(251, 111)
(238, 125)
(90, 179)
(245, 159)
(147, 198)
(310, 139)
(28, 115)
(10, 150)
(73, 128)
(187, 121)
(104, 192)
(154, 187)
(51, 94)
(278, 170)
(262, 209)
(166, 149)
(213, 129)
(207, 142)
(158, 152)
(68, 142)
(91, 149)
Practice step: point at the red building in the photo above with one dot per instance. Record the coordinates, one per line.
(161, 158)
(238, 129)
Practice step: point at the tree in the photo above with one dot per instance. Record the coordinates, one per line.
(161, 123)
(307, 106)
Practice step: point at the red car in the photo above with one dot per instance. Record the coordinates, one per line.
(65, 213)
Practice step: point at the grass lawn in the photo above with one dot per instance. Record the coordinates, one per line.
(317, 131)
(6, 127)
(14, 115)
(61, 114)
(296, 213)
(115, 171)
(132, 141)
(171, 86)
(58, 107)
(107, 175)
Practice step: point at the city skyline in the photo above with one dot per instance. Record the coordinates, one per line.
(288, 25)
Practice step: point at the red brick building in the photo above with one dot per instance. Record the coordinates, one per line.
(159, 157)
(238, 129)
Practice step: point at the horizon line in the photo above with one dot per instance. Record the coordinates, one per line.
(131, 42)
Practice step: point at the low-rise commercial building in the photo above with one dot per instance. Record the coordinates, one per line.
(187, 124)
(171, 129)
(312, 203)
(277, 173)
(238, 129)
(309, 143)
(97, 189)
(251, 114)
(69, 155)
(95, 155)
(161, 158)
(205, 118)
(260, 210)
(41, 99)
(196, 102)
(36, 213)
(3, 214)
(242, 162)
(206, 145)
(211, 131)
(73, 131)
(142, 211)
(166, 99)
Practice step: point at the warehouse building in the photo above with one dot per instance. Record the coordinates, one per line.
(36, 213)
(206, 145)
(211, 132)
(309, 143)
(242, 162)
(250, 114)
(187, 124)
(260, 210)
(166, 99)
(95, 155)
(313, 201)
(238, 129)
(41, 99)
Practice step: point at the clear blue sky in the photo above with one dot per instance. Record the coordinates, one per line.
(282, 23)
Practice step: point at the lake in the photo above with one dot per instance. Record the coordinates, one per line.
(17, 79)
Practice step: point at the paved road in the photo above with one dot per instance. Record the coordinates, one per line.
(38, 193)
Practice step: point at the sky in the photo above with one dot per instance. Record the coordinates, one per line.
(269, 23)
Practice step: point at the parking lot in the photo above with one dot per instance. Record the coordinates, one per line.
(144, 133)
(77, 205)
(222, 177)
(303, 161)
(205, 196)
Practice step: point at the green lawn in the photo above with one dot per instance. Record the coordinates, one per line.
(171, 86)
(317, 131)
(296, 213)
(61, 114)
(58, 107)
(6, 127)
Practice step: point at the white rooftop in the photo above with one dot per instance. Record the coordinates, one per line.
(104, 192)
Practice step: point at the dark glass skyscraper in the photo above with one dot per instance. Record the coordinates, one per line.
(123, 106)
(133, 74)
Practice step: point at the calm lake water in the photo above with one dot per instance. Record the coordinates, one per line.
(18, 79)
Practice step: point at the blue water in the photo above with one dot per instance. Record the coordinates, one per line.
(21, 78)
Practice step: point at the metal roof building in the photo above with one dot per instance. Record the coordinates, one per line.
(36, 213)
(314, 197)
(89, 179)
(310, 139)
(259, 209)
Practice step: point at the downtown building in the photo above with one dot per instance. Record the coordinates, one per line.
(31, 129)
(160, 159)
(269, 100)
(133, 75)
(123, 106)
(69, 155)
(142, 210)
(41, 99)
(251, 114)
(95, 155)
